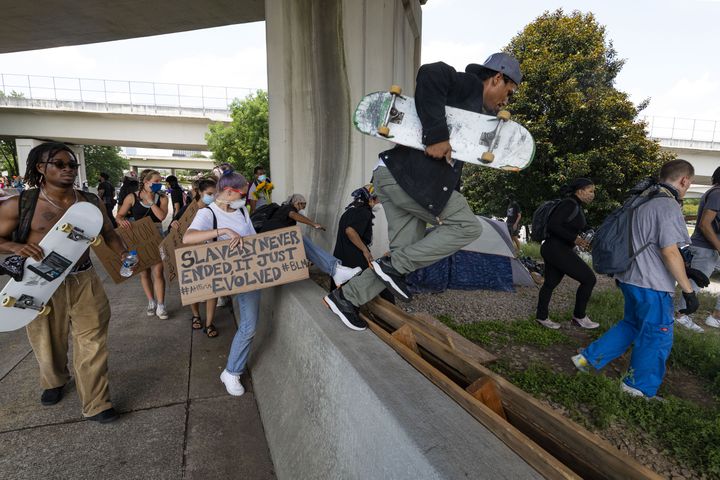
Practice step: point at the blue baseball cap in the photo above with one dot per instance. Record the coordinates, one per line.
(502, 63)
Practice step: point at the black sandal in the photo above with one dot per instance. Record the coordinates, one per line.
(196, 323)
(211, 331)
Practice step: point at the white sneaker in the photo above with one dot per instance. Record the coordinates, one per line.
(232, 383)
(687, 322)
(151, 308)
(630, 390)
(343, 274)
(548, 323)
(711, 321)
(161, 312)
(581, 363)
(585, 322)
(222, 301)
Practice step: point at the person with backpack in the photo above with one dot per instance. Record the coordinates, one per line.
(647, 283)
(204, 197)
(150, 202)
(79, 305)
(227, 218)
(106, 192)
(704, 250)
(565, 223)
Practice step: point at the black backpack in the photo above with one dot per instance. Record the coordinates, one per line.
(612, 244)
(541, 217)
(262, 215)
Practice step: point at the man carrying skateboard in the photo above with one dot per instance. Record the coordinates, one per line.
(79, 304)
(417, 188)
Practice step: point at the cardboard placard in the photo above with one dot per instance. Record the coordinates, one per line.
(142, 236)
(173, 241)
(214, 270)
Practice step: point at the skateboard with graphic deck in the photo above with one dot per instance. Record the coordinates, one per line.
(22, 301)
(490, 141)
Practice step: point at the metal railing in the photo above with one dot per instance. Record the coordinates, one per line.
(687, 129)
(156, 95)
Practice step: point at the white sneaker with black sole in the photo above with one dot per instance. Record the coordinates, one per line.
(232, 383)
(393, 279)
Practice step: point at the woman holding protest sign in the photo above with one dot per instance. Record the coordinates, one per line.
(150, 202)
(228, 219)
(204, 196)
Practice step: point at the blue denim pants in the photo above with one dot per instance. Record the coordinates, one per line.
(322, 259)
(249, 303)
(648, 326)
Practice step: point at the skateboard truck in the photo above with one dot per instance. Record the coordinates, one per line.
(488, 157)
(77, 234)
(26, 301)
(392, 113)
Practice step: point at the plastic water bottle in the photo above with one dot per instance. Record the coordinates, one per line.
(129, 264)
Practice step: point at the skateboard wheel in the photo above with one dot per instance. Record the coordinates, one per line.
(45, 310)
(487, 157)
(384, 131)
(66, 227)
(396, 90)
(8, 301)
(503, 115)
(95, 241)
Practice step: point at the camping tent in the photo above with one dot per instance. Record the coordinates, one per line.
(488, 263)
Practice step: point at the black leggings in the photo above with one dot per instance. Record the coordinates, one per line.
(561, 260)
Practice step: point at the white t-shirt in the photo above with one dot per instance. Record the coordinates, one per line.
(238, 221)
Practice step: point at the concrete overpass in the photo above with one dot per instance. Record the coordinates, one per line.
(140, 162)
(697, 141)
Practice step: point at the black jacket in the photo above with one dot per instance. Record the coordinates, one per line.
(567, 221)
(429, 181)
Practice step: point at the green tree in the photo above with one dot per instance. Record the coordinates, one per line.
(244, 143)
(582, 125)
(9, 157)
(100, 159)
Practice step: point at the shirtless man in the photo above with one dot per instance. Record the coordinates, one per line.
(80, 303)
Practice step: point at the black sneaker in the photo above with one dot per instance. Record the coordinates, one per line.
(51, 396)
(394, 280)
(106, 416)
(347, 312)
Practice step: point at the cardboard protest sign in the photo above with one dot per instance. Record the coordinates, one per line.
(214, 269)
(142, 236)
(173, 241)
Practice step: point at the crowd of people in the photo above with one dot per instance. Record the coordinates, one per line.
(416, 189)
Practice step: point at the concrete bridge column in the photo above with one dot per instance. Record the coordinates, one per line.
(323, 56)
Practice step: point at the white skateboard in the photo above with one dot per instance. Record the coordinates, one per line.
(63, 245)
(490, 141)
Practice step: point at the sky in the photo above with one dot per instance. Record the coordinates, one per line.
(669, 47)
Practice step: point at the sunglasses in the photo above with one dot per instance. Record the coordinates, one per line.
(236, 190)
(60, 165)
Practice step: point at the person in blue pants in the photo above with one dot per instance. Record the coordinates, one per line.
(648, 287)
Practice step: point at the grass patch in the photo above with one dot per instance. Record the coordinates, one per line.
(531, 249)
(689, 432)
(500, 333)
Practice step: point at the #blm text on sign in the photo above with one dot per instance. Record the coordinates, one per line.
(214, 269)
(142, 236)
(173, 241)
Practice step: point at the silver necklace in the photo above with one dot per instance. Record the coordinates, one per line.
(45, 196)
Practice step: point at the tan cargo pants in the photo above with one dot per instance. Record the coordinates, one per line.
(80, 305)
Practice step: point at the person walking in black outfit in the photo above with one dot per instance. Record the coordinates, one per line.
(565, 224)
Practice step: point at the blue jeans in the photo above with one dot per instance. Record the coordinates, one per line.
(249, 303)
(322, 259)
(648, 324)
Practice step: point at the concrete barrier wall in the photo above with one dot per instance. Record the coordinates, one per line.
(339, 404)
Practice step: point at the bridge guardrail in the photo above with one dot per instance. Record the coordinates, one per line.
(119, 92)
(679, 128)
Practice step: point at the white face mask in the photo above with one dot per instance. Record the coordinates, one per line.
(236, 204)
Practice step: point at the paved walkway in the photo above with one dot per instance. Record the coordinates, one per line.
(177, 420)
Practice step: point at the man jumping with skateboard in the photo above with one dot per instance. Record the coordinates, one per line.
(79, 304)
(418, 188)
